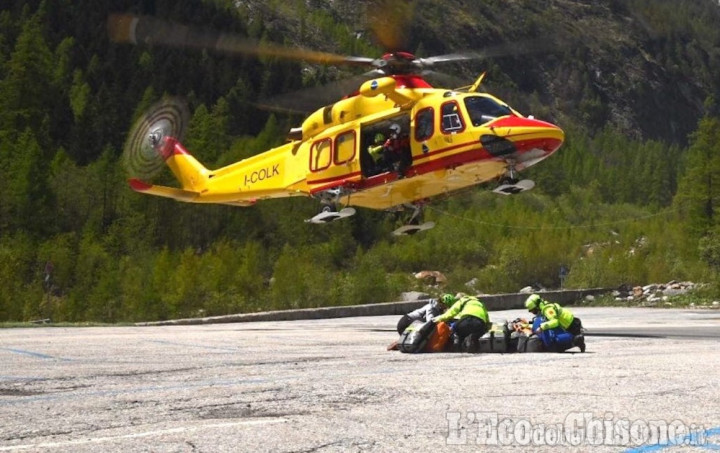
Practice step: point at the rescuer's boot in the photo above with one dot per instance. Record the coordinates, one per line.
(579, 341)
(456, 342)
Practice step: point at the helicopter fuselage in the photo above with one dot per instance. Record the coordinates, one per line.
(454, 140)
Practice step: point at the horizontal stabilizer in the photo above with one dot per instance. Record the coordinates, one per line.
(162, 191)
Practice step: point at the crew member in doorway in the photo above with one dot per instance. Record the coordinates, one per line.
(397, 150)
(377, 153)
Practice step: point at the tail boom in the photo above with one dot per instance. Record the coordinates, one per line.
(239, 184)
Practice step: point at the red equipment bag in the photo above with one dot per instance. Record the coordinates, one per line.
(439, 339)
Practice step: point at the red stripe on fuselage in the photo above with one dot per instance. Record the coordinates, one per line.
(335, 181)
(519, 121)
(477, 153)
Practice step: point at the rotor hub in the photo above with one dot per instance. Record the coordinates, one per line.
(158, 131)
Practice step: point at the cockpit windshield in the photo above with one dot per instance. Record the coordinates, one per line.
(483, 109)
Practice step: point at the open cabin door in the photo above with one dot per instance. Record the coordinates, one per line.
(334, 161)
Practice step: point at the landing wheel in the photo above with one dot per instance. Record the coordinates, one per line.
(514, 188)
(415, 223)
(329, 213)
(409, 230)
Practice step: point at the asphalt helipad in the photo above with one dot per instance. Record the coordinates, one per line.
(648, 380)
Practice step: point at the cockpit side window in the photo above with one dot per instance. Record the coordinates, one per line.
(452, 121)
(482, 109)
(344, 147)
(321, 155)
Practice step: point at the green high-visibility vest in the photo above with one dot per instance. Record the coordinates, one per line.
(466, 306)
(556, 316)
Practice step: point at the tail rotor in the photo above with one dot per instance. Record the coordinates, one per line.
(143, 156)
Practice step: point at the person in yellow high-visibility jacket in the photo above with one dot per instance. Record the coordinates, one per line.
(378, 153)
(472, 320)
(556, 317)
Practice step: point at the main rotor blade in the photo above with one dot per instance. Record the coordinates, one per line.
(308, 100)
(126, 28)
(501, 50)
(442, 79)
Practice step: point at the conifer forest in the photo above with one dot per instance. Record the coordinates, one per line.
(630, 198)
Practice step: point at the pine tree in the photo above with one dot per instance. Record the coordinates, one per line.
(699, 191)
(25, 198)
(28, 88)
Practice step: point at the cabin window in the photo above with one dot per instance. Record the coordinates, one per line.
(482, 109)
(424, 124)
(452, 121)
(321, 155)
(344, 147)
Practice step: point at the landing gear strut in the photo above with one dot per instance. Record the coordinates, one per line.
(509, 184)
(330, 200)
(414, 224)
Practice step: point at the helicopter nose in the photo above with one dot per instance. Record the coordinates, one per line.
(551, 131)
(519, 135)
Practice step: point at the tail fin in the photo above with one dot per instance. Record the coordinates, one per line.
(193, 176)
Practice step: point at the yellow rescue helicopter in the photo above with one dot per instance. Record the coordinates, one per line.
(393, 144)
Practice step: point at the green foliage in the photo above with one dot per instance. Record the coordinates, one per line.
(18, 273)
(79, 94)
(27, 89)
(77, 245)
(24, 194)
(300, 278)
(371, 283)
(709, 248)
(699, 192)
